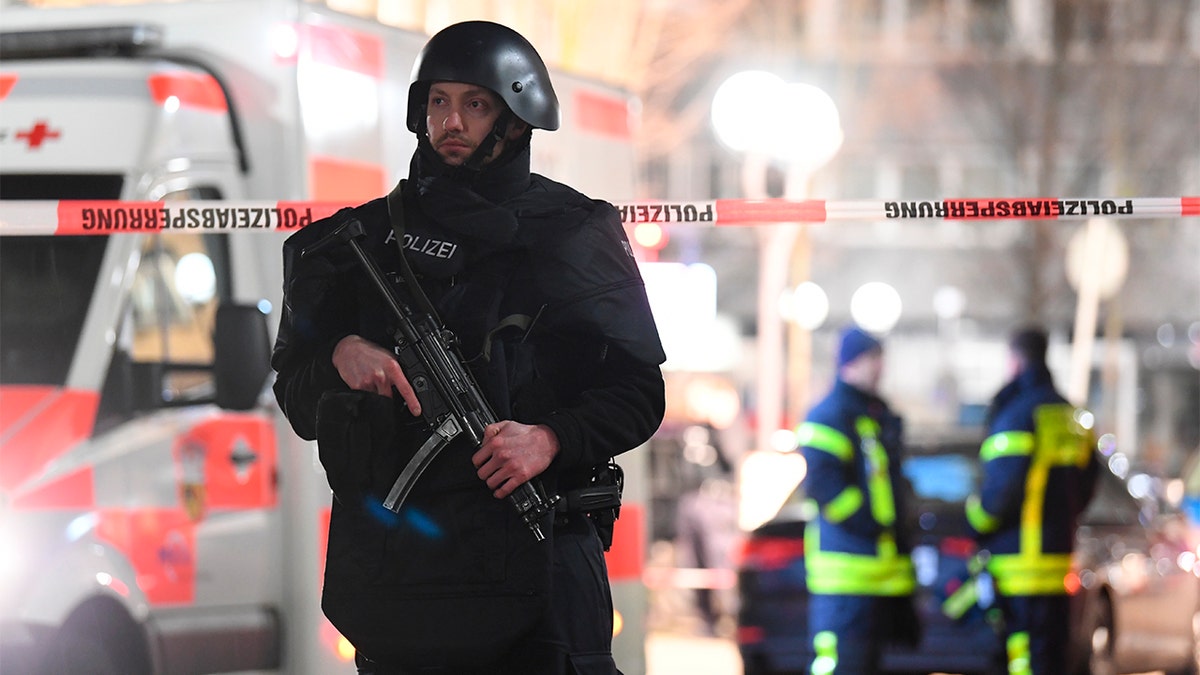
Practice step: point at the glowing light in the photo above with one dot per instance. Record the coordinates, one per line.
(116, 585)
(649, 235)
(736, 102)
(806, 305)
(195, 278)
(171, 104)
(876, 307)
(949, 302)
(767, 479)
(1119, 464)
(1107, 444)
(618, 622)
(1141, 486)
(345, 650)
(811, 140)
(783, 440)
(284, 41)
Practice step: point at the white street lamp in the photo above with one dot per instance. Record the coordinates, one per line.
(876, 307)
(765, 118)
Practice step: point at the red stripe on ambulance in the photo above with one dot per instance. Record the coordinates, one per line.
(191, 90)
(334, 179)
(73, 491)
(344, 48)
(606, 115)
(7, 81)
(227, 463)
(161, 546)
(38, 424)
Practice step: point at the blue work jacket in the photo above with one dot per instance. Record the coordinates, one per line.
(1038, 474)
(851, 442)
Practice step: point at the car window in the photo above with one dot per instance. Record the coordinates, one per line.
(947, 478)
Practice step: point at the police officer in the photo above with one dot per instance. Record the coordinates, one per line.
(540, 287)
(1039, 472)
(859, 574)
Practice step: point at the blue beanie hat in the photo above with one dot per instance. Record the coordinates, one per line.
(854, 343)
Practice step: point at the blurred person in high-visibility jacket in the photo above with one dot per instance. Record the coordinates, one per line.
(858, 570)
(1038, 474)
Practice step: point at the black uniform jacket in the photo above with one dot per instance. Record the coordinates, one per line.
(512, 244)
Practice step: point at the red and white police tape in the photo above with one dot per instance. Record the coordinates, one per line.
(70, 217)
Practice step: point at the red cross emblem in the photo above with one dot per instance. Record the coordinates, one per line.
(40, 132)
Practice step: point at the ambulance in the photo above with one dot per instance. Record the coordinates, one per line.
(157, 514)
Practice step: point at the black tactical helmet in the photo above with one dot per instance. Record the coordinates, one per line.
(489, 55)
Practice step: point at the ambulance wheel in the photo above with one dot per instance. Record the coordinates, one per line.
(79, 654)
(100, 638)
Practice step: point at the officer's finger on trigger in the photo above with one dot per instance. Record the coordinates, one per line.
(398, 380)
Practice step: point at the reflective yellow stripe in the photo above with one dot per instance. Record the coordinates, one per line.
(844, 505)
(1018, 654)
(1035, 502)
(838, 573)
(879, 483)
(979, 518)
(962, 599)
(1060, 436)
(825, 438)
(1023, 574)
(1060, 441)
(1006, 444)
(825, 650)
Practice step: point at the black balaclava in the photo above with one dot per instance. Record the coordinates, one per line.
(463, 204)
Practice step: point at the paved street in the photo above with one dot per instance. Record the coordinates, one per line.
(675, 654)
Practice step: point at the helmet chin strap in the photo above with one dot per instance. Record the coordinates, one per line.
(484, 151)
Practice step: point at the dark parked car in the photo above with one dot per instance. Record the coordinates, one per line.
(1135, 600)
(772, 619)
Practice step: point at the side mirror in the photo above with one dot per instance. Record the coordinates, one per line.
(242, 356)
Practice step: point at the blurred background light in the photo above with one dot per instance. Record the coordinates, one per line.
(876, 307)
(806, 305)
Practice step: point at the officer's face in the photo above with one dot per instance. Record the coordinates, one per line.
(459, 117)
(865, 371)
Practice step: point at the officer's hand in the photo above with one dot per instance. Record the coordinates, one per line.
(365, 366)
(512, 453)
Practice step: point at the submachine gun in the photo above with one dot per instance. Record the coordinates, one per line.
(451, 401)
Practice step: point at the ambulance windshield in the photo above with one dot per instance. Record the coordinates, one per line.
(46, 284)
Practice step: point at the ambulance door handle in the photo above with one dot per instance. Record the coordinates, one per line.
(242, 456)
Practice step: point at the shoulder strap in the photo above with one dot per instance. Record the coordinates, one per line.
(395, 206)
